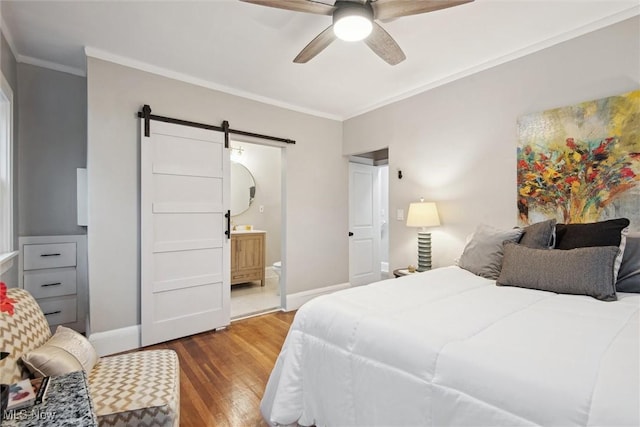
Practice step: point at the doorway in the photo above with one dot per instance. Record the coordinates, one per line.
(368, 217)
(257, 210)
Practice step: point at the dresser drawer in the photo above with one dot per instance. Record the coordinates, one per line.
(50, 255)
(59, 310)
(51, 282)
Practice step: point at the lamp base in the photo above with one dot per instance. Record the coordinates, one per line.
(424, 251)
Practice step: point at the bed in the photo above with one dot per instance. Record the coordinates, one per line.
(448, 347)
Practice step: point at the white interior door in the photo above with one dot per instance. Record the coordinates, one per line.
(364, 224)
(184, 250)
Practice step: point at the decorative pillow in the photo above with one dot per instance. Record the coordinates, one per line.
(66, 351)
(483, 254)
(50, 361)
(580, 271)
(629, 273)
(539, 235)
(603, 233)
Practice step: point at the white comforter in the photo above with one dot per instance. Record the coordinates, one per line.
(446, 347)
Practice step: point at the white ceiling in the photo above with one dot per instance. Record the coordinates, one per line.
(248, 50)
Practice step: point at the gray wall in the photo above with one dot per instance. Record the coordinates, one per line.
(456, 144)
(9, 70)
(52, 144)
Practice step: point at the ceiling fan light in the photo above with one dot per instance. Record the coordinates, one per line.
(352, 28)
(352, 21)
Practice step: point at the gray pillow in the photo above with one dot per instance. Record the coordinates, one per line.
(483, 254)
(629, 273)
(580, 271)
(539, 235)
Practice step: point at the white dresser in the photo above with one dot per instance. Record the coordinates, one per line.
(54, 270)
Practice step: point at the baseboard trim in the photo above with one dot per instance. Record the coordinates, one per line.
(116, 340)
(295, 301)
(123, 339)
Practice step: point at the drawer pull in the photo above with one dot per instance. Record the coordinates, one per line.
(51, 284)
(53, 312)
(50, 255)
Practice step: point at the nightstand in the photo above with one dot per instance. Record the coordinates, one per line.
(399, 272)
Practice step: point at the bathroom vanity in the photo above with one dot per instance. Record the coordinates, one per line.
(247, 256)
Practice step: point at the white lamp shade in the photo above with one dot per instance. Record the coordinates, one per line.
(423, 214)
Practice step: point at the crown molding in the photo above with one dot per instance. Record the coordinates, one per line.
(23, 59)
(164, 72)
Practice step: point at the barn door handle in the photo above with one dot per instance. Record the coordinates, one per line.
(228, 231)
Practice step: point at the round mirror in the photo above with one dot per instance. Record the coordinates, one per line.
(243, 188)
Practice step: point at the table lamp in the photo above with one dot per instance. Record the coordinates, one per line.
(423, 214)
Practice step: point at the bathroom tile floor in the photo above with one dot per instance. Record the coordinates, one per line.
(251, 298)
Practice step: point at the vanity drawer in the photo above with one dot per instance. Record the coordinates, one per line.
(50, 255)
(51, 283)
(246, 276)
(59, 310)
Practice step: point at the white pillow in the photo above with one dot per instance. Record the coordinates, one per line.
(66, 351)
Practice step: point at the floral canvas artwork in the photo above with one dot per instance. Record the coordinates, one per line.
(581, 163)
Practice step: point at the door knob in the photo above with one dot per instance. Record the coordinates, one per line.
(350, 234)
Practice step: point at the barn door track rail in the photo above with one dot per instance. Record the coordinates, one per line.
(147, 116)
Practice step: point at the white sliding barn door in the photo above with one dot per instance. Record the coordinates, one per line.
(185, 252)
(364, 224)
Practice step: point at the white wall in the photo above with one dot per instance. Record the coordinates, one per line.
(316, 177)
(456, 144)
(264, 163)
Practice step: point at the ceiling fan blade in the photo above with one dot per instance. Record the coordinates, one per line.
(317, 7)
(316, 46)
(387, 9)
(384, 45)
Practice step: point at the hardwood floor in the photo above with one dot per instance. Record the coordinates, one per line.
(223, 374)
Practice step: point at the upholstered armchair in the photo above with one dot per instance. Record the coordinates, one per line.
(138, 388)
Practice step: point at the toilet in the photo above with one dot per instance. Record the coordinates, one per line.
(277, 267)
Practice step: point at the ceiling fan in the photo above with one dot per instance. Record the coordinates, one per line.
(355, 20)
